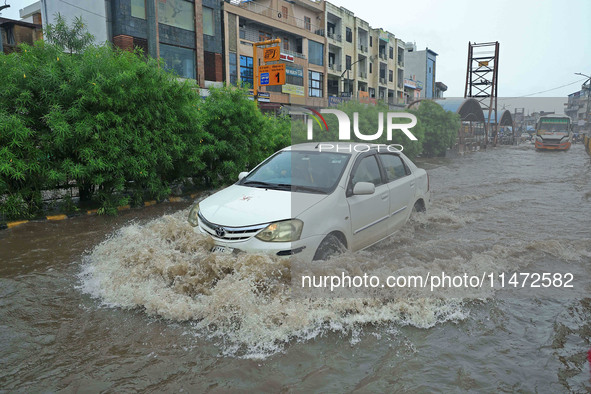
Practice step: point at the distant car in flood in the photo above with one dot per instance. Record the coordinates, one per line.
(315, 199)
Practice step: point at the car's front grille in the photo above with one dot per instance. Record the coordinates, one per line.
(227, 233)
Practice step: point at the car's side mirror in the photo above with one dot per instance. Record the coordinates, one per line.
(242, 175)
(364, 188)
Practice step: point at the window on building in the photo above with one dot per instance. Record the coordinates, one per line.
(348, 62)
(208, 21)
(390, 76)
(307, 24)
(315, 84)
(246, 72)
(370, 41)
(391, 53)
(294, 75)
(264, 36)
(331, 59)
(286, 43)
(233, 69)
(177, 13)
(212, 63)
(316, 53)
(180, 60)
(138, 9)
(349, 35)
(284, 12)
(370, 68)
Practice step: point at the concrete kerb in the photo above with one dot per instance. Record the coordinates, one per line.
(63, 216)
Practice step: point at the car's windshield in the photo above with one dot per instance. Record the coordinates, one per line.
(301, 171)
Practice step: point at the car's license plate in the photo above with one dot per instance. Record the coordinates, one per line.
(221, 249)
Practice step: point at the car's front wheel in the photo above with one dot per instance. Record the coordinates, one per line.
(330, 246)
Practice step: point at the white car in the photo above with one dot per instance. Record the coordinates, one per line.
(313, 199)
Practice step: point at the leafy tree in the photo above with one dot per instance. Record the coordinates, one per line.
(439, 127)
(72, 39)
(107, 121)
(119, 128)
(237, 135)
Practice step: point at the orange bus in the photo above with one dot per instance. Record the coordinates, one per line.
(553, 132)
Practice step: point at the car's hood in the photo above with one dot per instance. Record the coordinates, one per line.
(238, 205)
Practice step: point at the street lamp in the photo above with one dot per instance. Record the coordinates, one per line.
(588, 99)
(347, 69)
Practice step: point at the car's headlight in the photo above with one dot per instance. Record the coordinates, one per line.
(285, 231)
(193, 221)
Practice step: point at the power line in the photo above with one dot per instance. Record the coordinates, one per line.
(544, 91)
(83, 9)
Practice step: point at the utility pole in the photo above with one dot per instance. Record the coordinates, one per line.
(1, 44)
(587, 86)
(347, 69)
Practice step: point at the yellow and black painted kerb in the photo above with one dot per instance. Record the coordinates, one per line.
(57, 217)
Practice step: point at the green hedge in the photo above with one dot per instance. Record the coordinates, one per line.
(119, 128)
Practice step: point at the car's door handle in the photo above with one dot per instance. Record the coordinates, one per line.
(384, 196)
(412, 184)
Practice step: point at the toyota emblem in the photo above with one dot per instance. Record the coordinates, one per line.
(220, 232)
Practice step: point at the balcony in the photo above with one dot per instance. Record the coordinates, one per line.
(335, 67)
(383, 81)
(277, 15)
(383, 56)
(362, 48)
(334, 36)
(363, 74)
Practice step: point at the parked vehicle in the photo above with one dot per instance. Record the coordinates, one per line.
(314, 199)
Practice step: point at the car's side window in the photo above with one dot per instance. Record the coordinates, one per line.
(394, 166)
(367, 171)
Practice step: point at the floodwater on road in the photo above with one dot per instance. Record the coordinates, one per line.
(137, 302)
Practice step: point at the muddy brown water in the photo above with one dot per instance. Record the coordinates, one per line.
(137, 302)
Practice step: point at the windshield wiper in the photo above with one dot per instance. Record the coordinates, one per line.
(312, 189)
(258, 184)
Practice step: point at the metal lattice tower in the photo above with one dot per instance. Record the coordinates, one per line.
(481, 80)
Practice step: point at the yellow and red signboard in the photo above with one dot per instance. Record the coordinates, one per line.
(272, 74)
(271, 54)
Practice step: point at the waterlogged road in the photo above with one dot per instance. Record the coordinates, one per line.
(137, 302)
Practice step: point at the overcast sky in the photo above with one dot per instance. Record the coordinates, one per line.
(542, 43)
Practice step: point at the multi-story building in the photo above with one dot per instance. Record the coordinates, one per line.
(578, 108)
(363, 63)
(412, 90)
(387, 69)
(330, 54)
(187, 35)
(300, 26)
(421, 66)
